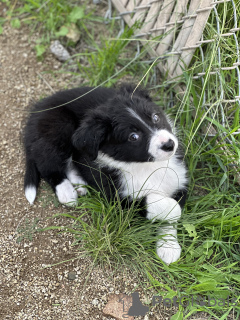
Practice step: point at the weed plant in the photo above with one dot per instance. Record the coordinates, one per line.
(104, 59)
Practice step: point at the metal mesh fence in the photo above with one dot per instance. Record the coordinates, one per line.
(189, 15)
(184, 32)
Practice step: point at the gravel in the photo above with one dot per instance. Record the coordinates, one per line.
(41, 275)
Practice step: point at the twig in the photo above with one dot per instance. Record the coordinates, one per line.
(44, 80)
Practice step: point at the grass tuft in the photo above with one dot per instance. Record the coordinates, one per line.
(112, 234)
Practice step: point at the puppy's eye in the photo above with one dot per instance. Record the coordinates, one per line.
(133, 137)
(155, 118)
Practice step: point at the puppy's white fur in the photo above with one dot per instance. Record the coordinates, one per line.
(66, 193)
(169, 210)
(158, 138)
(30, 193)
(140, 178)
(157, 181)
(168, 248)
(75, 178)
(135, 115)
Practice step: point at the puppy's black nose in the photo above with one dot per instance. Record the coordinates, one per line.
(168, 146)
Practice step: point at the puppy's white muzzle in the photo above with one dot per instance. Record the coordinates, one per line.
(163, 145)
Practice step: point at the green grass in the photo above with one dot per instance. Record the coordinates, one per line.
(102, 62)
(209, 229)
(51, 19)
(27, 229)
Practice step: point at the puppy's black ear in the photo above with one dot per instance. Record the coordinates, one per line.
(131, 89)
(90, 134)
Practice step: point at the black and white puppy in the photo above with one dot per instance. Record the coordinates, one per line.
(111, 140)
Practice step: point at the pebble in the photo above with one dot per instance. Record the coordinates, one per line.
(72, 275)
(95, 302)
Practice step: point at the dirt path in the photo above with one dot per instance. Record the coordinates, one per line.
(28, 290)
(33, 285)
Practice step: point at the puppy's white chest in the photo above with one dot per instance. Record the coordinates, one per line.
(138, 179)
(165, 178)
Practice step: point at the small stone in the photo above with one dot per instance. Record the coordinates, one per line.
(72, 275)
(95, 302)
(118, 306)
(59, 51)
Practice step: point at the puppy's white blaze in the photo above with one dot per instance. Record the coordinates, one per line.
(158, 139)
(30, 193)
(135, 115)
(66, 193)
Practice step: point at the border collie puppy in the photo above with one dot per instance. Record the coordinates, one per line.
(111, 140)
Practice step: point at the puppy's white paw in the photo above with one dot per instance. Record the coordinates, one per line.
(169, 251)
(81, 191)
(66, 193)
(77, 181)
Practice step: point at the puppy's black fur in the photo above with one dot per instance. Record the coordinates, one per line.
(68, 121)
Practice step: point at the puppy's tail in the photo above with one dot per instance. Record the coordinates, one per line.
(31, 181)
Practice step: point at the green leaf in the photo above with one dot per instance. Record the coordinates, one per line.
(190, 229)
(1, 29)
(62, 32)
(223, 167)
(197, 252)
(223, 179)
(209, 253)
(236, 118)
(40, 49)
(222, 294)
(177, 316)
(209, 285)
(76, 14)
(207, 244)
(16, 23)
(236, 277)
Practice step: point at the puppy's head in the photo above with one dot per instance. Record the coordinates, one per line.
(128, 128)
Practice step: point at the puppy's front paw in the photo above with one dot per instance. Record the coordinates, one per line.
(66, 193)
(77, 181)
(168, 251)
(81, 191)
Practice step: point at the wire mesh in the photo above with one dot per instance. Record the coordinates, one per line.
(183, 31)
(166, 17)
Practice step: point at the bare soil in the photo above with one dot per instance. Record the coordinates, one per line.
(29, 289)
(35, 267)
